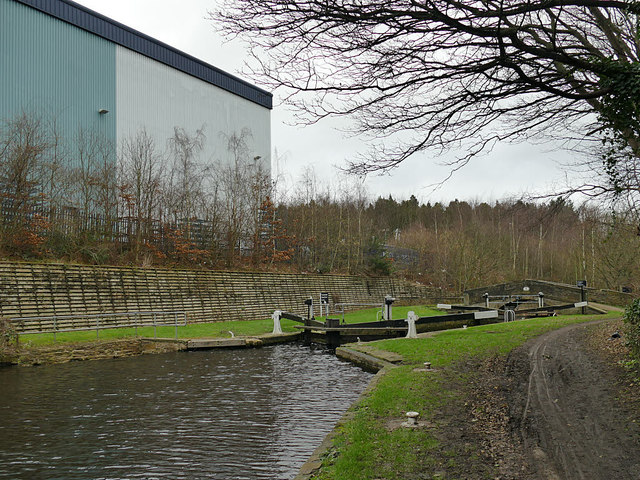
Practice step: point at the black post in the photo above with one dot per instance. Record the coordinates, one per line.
(388, 302)
(309, 303)
(333, 339)
(583, 294)
(307, 331)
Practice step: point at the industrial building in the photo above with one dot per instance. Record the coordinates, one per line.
(71, 65)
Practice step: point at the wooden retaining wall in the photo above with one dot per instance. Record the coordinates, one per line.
(30, 290)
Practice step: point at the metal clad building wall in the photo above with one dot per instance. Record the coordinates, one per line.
(157, 97)
(122, 35)
(55, 71)
(59, 63)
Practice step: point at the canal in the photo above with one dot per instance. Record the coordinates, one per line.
(233, 414)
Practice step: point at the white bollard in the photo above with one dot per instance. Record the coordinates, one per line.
(412, 420)
(411, 320)
(277, 329)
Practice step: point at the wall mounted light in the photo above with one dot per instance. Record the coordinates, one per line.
(103, 111)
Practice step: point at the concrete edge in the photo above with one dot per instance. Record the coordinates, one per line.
(236, 342)
(601, 307)
(366, 362)
(383, 355)
(363, 360)
(210, 343)
(597, 310)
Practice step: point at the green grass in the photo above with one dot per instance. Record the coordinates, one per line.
(498, 338)
(195, 330)
(367, 448)
(206, 330)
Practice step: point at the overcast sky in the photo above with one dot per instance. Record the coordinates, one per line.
(508, 171)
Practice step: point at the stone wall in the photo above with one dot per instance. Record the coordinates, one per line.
(67, 352)
(552, 290)
(30, 290)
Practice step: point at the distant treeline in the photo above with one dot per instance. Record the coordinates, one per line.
(463, 245)
(172, 207)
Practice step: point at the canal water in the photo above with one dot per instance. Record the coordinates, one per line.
(234, 414)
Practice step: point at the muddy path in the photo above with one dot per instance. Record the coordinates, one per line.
(565, 409)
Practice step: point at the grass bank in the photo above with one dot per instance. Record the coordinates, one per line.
(373, 445)
(247, 328)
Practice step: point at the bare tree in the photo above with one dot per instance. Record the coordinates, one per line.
(93, 159)
(186, 174)
(54, 165)
(236, 191)
(23, 144)
(260, 188)
(141, 170)
(618, 255)
(451, 73)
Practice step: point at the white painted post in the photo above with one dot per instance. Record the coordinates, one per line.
(411, 320)
(540, 299)
(277, 329)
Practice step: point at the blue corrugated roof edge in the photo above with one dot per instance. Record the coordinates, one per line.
(116, 32)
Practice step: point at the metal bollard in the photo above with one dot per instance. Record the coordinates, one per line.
(309, 303)
(387, 307)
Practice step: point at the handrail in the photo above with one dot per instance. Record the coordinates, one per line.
(504, 297)
(342, 305)
(137, 315)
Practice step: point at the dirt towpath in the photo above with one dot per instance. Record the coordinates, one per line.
(567, 412)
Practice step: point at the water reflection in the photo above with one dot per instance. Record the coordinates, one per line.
(234, 414)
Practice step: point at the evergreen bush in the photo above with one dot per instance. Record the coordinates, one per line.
(631, 319)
